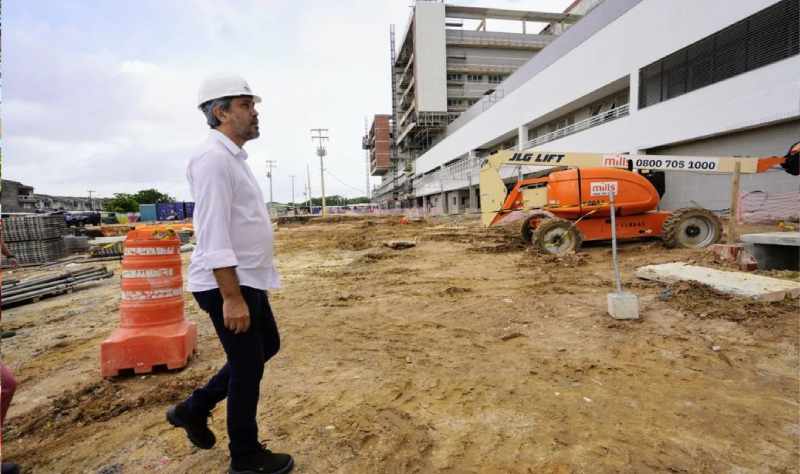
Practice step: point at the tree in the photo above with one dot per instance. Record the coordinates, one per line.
(152, 196)
(122, 202)
(358, 200)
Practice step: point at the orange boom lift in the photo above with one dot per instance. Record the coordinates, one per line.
(570, 200)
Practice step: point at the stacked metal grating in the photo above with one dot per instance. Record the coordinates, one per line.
(35, 239)
(75, 244)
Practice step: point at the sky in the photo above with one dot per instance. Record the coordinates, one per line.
(101, 95)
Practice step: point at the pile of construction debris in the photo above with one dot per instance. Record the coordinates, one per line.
(32, 289)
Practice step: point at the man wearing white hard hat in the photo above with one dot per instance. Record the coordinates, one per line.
(230, 273)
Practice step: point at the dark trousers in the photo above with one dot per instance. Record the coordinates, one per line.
(239, 378)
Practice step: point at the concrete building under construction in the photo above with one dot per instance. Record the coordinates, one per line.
(379, 141)
(441, 69)
(714, 78)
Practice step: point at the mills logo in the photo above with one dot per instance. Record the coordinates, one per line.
(604, 188)
(615, 161)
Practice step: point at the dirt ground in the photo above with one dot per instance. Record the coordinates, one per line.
(464, 354)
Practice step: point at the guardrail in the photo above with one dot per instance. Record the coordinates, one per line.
(598, 119)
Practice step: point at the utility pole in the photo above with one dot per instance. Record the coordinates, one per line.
(91, 205)
(271, 164)
(308, 175)
(293, 176)
(321, 152)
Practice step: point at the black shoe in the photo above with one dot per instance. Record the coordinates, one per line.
(262, 461)
(9, 468)
(196, 427)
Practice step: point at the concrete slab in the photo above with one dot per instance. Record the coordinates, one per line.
(742, 284)
(773, 238)
(400, 244)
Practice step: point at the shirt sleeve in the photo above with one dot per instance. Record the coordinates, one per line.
(212, 183)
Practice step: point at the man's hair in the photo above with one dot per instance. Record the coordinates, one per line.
(223, 103)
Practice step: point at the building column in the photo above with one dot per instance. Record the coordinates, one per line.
(472, 155)
(522, 136)
(633, 93)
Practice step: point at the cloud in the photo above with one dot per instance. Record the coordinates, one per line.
(101, 95)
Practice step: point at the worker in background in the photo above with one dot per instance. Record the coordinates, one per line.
(7, 379)
(12, 259)
(229, 275)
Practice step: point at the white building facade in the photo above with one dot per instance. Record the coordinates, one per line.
(717, 77)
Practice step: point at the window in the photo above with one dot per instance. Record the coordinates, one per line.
(472, 102)
(454, 201)
(763, 38)
(455, 78)
(454, 102)
(595, 110)
(495, 78)
(474, 77)
(464, 201)
(533, 134)
(561, 123)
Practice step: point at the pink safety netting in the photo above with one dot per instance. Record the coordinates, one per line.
(759, 207)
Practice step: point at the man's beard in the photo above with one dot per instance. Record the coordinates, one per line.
(245, 130)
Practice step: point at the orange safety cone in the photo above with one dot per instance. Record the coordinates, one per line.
(152, 329)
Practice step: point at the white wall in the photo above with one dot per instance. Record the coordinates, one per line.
(645, 33)
(430, 57)
(713, 191)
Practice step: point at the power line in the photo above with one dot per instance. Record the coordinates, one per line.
(339, 180)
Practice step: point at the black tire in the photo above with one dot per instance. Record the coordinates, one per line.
(526, 231)
(556, 236)
(691, 227)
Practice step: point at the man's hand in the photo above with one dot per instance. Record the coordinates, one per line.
(236, 315)
(13, 262)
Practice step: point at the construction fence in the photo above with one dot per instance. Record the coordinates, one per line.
(760, 207)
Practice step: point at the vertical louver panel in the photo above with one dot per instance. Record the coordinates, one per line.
(760, 39)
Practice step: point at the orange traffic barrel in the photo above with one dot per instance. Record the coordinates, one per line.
(152, 328)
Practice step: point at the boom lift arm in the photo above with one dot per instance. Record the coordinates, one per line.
(493, 191)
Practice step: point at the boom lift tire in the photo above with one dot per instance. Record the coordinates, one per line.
(526, 231)
(556, 236)
(691, 228)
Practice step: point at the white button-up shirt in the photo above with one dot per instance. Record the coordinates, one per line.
(231, 222)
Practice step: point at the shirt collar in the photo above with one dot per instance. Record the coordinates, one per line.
(232, 147)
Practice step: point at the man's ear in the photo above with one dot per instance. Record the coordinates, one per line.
(221, 115)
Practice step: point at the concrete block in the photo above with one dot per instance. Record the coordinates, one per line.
(775, 257)
(774, 250)
(791, 239)
(742, 284)
(623, 305)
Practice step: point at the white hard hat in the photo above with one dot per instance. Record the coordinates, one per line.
(223, 85)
